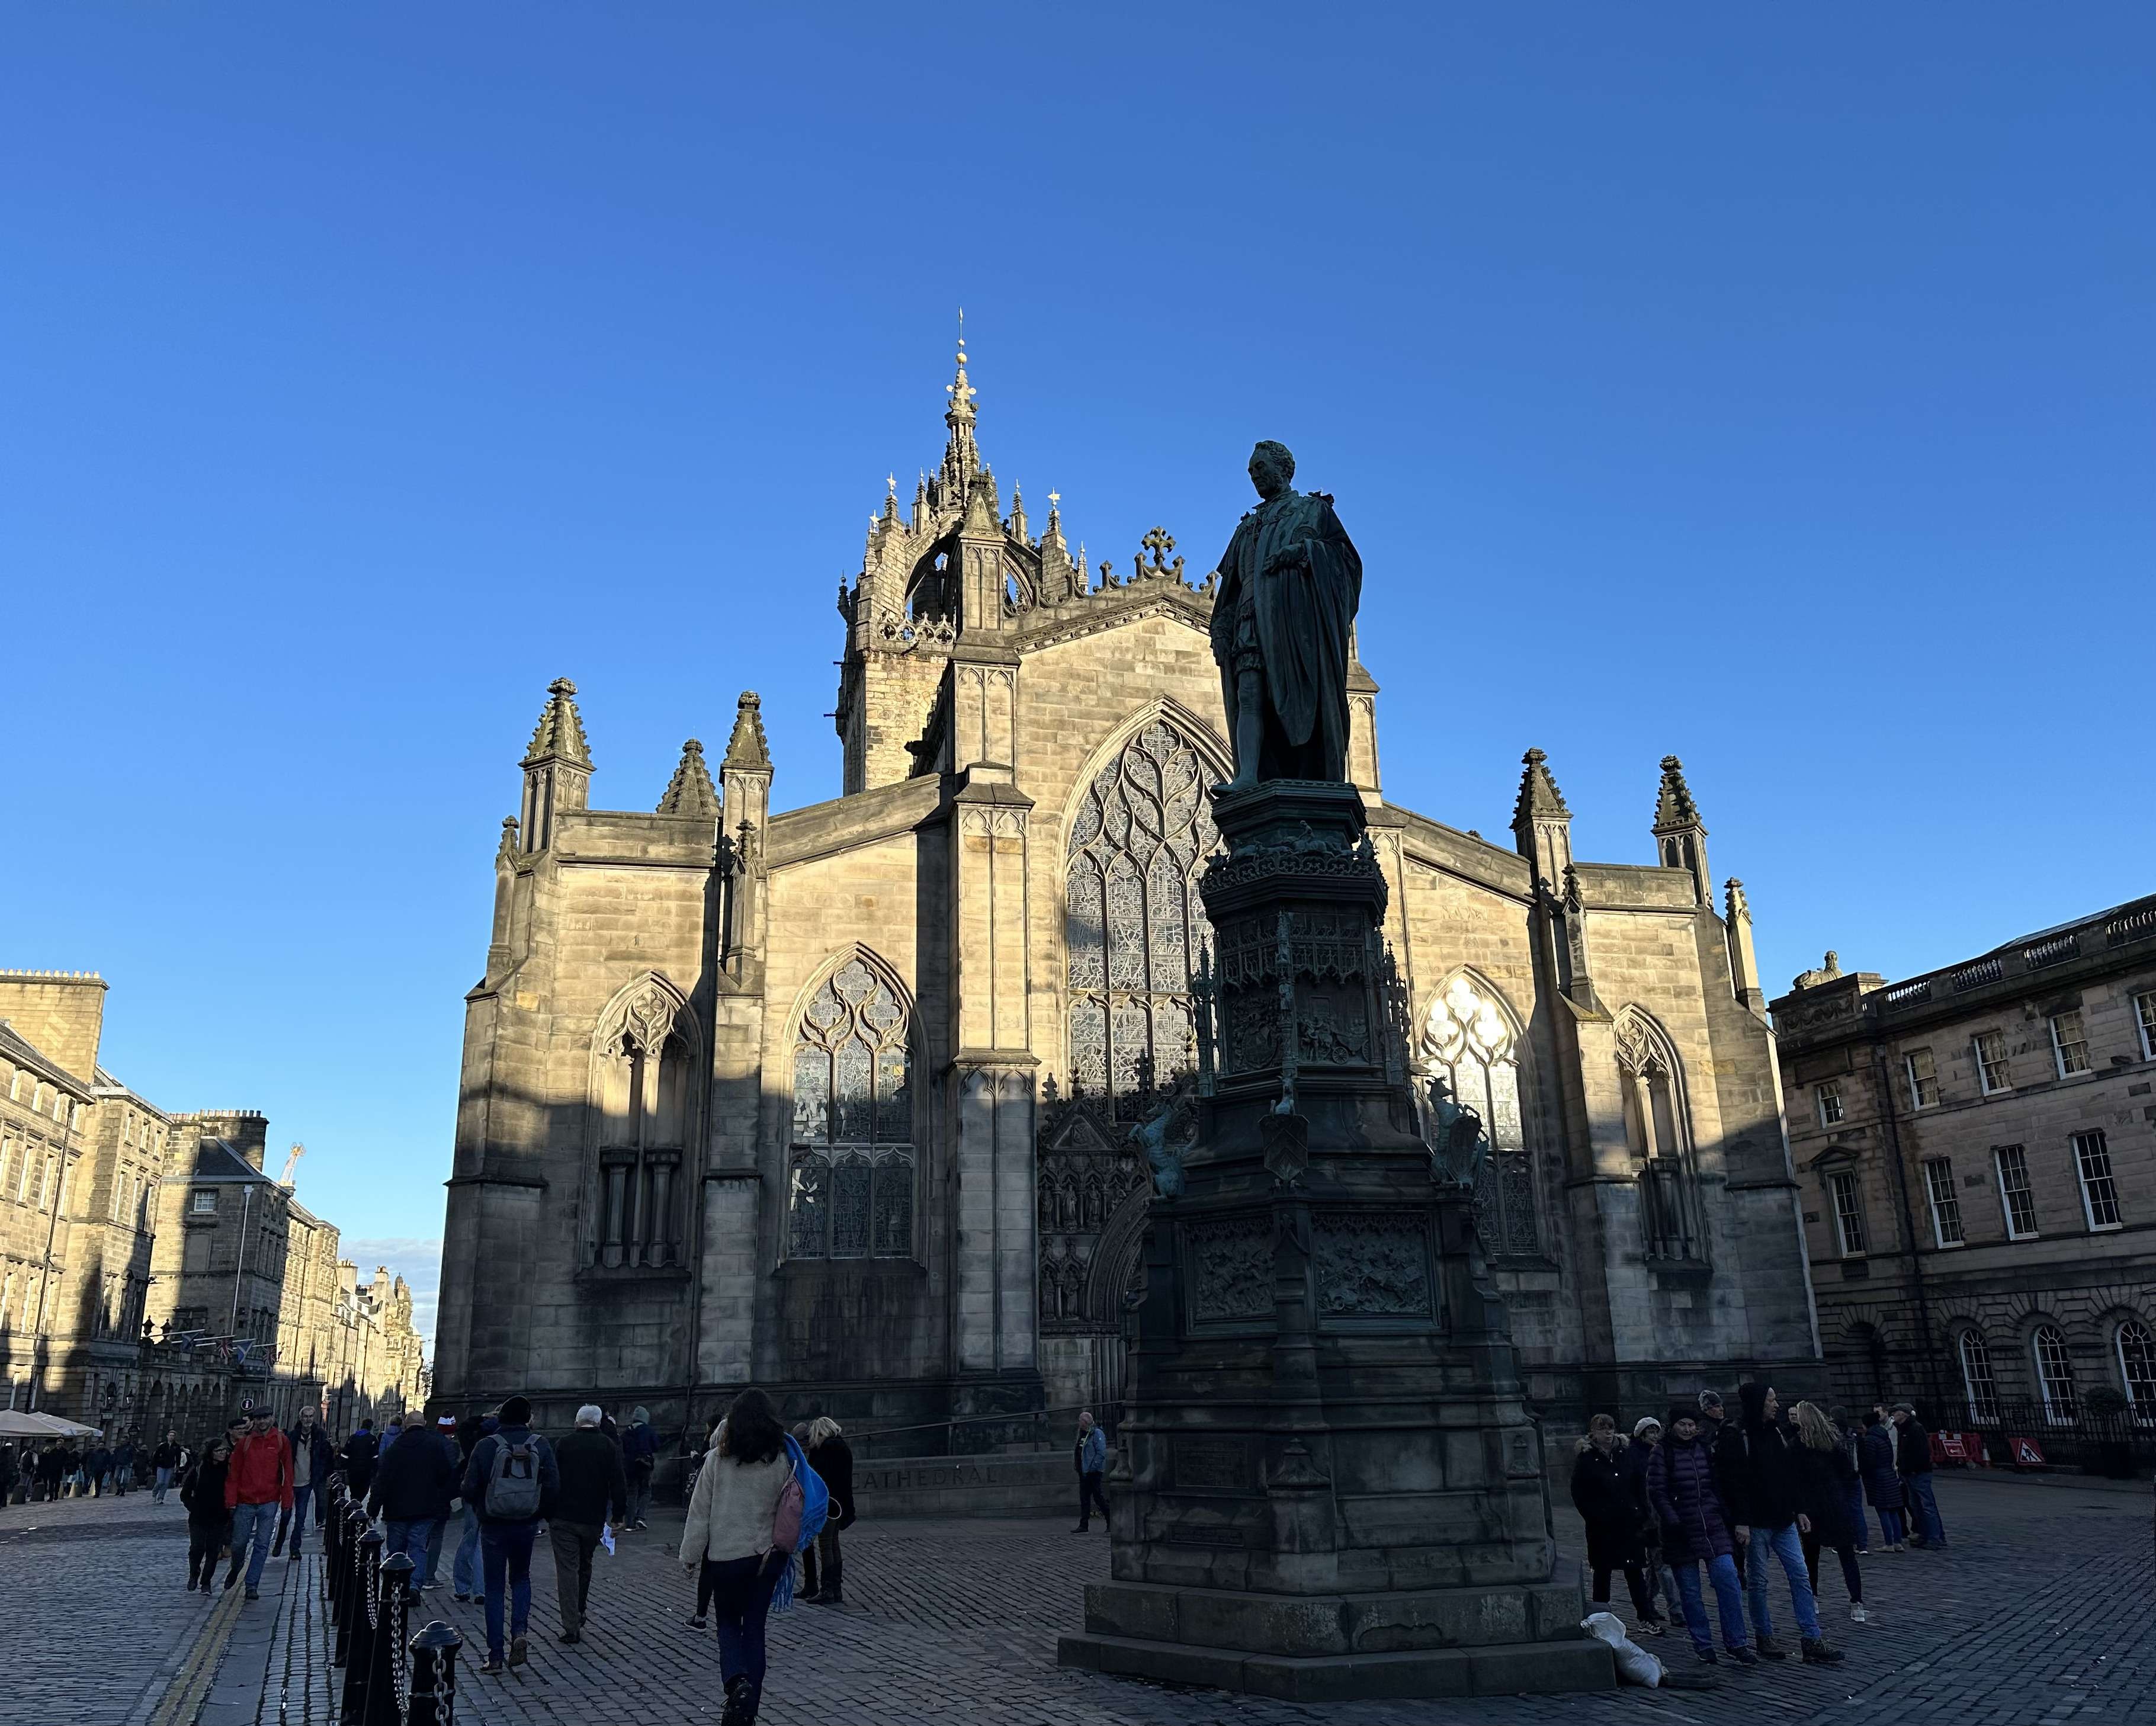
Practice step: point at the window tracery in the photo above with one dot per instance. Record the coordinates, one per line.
(643, 1089)
(1132, 917)
(850, 1172)
(1469, 1039)
(1658, 1127)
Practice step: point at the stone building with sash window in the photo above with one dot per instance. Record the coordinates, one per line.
(837, 1100)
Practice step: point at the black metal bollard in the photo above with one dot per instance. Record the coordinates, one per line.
(348, 1580)
(333, 1541)
(385, 1670)
(359, 1613)
(434, 1677)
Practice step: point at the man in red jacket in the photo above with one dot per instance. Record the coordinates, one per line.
(258, 1484)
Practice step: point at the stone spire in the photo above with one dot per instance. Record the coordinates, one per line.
(1743, 960)
(1680, 835)
(746, 751)
(557, 768)
(560, 733)
(691, 791)
(961, 456)
(1016, 527)
(1541, 825)
(1674, 808)
(1061, 578)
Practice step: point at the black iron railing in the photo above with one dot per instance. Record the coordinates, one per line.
(2098, 1442)
(391, 1676)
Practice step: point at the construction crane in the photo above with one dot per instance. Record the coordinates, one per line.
(291, 1163)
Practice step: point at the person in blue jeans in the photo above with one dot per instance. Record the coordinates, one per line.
(1912, 1462)
(257, 1486)
(412, 1480)
(1757, 1460)
(313, 1458)
(1695, 1530)
(466, 1572)
(511, 1478)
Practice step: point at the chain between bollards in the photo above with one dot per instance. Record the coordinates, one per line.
(386, 1644)
(365, 1583)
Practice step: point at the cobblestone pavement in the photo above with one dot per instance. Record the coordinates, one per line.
(2039, 1614)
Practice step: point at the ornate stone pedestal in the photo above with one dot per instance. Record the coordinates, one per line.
(1334, 1489)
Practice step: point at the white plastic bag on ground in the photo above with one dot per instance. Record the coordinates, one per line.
(1635, 1664)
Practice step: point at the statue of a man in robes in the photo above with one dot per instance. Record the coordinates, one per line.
(1290, 582)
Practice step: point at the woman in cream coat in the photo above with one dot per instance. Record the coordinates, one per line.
(728, 1537)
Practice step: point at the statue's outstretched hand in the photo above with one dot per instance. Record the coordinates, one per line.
(1288, 557)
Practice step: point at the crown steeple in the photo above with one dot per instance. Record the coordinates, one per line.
(962, 456)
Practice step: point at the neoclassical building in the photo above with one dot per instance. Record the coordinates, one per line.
(836, 1100)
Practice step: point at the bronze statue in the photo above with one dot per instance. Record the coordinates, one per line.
(1290, 582)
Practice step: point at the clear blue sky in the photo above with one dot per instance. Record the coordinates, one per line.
(1773, 387)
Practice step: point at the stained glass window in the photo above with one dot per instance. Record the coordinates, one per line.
(1468, 1038)
(1132, 919)
(849, 1179)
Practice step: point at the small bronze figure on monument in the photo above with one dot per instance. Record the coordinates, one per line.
(1290, 582)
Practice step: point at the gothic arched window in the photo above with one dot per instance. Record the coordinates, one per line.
(644, 1086)
(849, 1174)
(1469, 1038)
(1658, 1127)
(1132, 917)
(2137, 1367)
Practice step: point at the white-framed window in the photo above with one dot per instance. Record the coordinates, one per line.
(1848, 1212)
(1980, 1389)
(2099, 1191)
(2069, 1043)
(2136, 1366)
(1826, 1098)
(2055, 1375)
(1924, 1078)
(1946, 1207)
(2017, 1199)
(1992, 1071)
(2144, 1016)
(205, 1201)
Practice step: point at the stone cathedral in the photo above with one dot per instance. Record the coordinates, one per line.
(840, 1100)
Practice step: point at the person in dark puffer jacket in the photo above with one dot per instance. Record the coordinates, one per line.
(1680, 1485)
(1602, 1494)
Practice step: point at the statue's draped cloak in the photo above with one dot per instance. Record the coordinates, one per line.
(1303, 615)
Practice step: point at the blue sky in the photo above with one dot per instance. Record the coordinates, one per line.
(1773, 388)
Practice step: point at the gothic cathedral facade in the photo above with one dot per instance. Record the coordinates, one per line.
(837, 1101)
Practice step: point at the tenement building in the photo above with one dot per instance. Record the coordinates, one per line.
(1978, 1152)
(837, 1099)
(121, 1303)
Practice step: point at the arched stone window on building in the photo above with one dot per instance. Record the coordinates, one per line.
(1658, 1127)
(2137, 1368)
(1979, 1388)
(2055, 1375)
(644, 1088)
(1471, 1040)
(1132, 917)
(849, 1181)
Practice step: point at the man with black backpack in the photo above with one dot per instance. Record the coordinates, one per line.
(510, 1480)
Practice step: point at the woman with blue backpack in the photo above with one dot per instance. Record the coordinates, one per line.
(756, 1504)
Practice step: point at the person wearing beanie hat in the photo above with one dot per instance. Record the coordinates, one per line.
(510, 1480)
(1695, 1530)
(1661, 1580)
(445, 1432)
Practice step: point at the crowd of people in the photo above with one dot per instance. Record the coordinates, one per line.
(1739, 1498)
(87, 1468)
